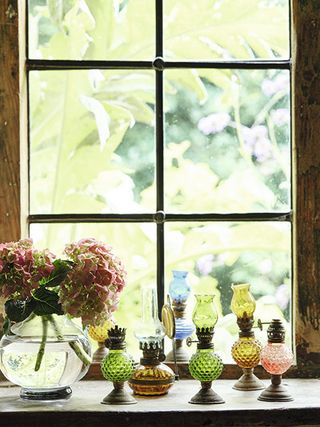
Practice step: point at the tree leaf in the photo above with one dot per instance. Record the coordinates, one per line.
(46, 302)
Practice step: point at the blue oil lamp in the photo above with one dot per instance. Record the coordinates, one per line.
(179, 291)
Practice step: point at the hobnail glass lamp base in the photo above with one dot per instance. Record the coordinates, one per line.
(206, 396)
(248, 381)
(49, 394)
(118, 396)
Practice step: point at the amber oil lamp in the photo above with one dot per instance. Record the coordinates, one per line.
(100, 334)
(246, 351)
(205, 366)
(117, 367)
(276, 358)
(151, 377)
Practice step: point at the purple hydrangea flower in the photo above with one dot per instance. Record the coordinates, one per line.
(214, 123)
(205, 264)
(257, 142)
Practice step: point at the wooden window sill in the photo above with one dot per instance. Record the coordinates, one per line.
(241, 408)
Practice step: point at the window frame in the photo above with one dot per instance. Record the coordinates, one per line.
(305, 101)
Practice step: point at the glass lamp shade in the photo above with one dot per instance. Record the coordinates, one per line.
(179, 288)
(246, 352)
(149, 329)
(205, 365)
(276, 358)
(204, 314)
(242, 303)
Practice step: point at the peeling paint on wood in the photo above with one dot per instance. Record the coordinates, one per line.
(306, 101)
(9, 122)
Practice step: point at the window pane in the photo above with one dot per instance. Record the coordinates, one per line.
(99, 29)
(226, 29)
(135, 244)
(227, 141)
(92, 141)
(219, 254)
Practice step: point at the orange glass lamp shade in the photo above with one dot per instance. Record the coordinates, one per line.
(246, 351)
(100, 334)
(276, 358)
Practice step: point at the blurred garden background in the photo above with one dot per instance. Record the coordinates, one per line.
(227, 144)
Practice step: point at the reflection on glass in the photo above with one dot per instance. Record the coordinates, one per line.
(226, 29)
(87, 29)
(218, 254)
(92, 141)
(135, 246)
(227, 141)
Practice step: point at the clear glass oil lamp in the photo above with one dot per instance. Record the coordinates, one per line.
(151, 377)
(205, 366)
(117, 367)
(179, 291)
(276, 358)
(246, 351)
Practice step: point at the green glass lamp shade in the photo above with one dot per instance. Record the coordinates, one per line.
(205, 365)
(242, 303)
(117, 366)
(204, 314)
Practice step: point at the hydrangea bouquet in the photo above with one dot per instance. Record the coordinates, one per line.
(87, 285)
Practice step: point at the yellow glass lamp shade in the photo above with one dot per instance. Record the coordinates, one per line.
(204, 314)
(242, 303)
(246, 352)
(100, 333)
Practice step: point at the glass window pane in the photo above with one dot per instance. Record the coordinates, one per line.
(92, 141)
(227, 141)
(99, 29)
(226, 29)
(135, 244)
(219, 254)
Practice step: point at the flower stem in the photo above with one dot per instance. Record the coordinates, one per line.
(43, 343)
(83, 356)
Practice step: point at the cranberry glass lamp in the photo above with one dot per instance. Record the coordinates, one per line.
(246, 351)
(276, 358)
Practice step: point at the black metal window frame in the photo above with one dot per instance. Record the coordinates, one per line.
(159, 65)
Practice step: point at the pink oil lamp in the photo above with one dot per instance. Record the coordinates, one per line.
(276, 358)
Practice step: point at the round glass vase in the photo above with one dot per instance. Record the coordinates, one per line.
(44, 355)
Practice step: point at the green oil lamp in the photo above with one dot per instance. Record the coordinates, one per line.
(205, 366)
(117, 367)
(246, 350)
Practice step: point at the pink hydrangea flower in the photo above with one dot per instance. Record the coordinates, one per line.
(21, 268)
(92, 287)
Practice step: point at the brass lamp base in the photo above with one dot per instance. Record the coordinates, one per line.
(276, 392)
(248, 381)
(206, 396)
(182, 356)
(119, 396)
(100, 353)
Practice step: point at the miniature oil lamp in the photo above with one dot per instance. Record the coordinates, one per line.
(276, 358)
(246, 351)
(100, 334)
(179, 291)
(205, 366)
(117, 367)
(151, 377)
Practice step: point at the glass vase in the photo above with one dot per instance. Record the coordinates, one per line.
(44, 355)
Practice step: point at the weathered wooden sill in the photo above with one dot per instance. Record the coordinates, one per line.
(241, 408)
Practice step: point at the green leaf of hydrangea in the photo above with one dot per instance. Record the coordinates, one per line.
(46, 302)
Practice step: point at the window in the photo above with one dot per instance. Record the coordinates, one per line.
(231, 98)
